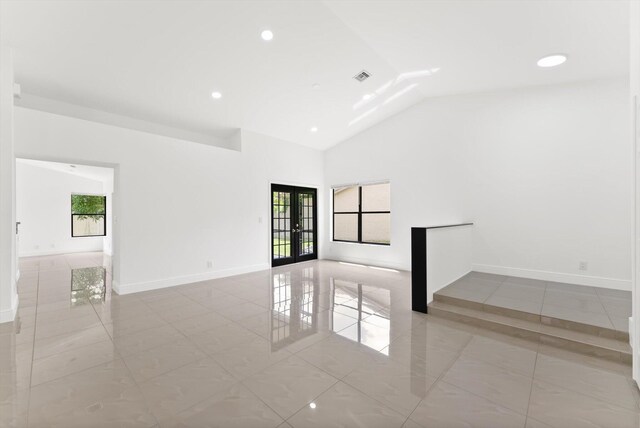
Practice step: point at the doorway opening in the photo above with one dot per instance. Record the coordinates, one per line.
(66, 222)
(294, 224)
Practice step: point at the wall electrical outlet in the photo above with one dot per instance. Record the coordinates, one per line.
(209, 264)
(583, 266)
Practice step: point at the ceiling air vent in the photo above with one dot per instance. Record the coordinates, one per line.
(362, 76)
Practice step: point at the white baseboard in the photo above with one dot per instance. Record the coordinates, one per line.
(367, 262)
(9, 314)
(592, 281)
(56, 252)
(137, 287)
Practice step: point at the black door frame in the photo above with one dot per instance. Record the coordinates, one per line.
(294, 233)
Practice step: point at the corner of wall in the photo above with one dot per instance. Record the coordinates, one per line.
(8, 259)
(9, 314)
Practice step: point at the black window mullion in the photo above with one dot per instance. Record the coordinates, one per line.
(360, 214)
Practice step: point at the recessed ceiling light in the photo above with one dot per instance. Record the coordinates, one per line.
(314, 129)
(216, 95)
(552, 60)
(312, 405)
(366, 97)
(267, 35)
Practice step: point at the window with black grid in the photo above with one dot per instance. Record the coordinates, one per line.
(362, 214)
(88, 215)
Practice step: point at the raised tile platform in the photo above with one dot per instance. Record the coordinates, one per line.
(590, 320)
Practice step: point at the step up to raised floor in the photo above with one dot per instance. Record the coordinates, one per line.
(600, 341)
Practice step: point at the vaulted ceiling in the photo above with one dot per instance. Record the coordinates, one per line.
(159, 61)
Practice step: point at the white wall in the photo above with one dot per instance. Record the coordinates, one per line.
(544, 173)
(43, 208)
(634, 101)
(551, 183)
(176, 204)
(107, 243)
(8, 264)
(448, 256)
(423, 154)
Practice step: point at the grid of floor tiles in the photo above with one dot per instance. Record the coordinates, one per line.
(595, 306)
(316, 344)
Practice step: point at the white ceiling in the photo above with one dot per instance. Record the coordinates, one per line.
(97, 173)
(159, 61)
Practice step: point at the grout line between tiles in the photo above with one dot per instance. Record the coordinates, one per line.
(33, 346)
(535, 365)
(440, 377)
(311, 401)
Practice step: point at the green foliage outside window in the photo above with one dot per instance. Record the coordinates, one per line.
(281, 202)
(88, 207)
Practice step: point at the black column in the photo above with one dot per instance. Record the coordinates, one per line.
(419, 269)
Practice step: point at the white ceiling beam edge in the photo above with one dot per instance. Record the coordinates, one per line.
(234, 142)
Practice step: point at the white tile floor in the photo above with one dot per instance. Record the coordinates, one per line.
(315, 344)
(592, 306)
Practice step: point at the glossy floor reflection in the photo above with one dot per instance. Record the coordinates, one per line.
(315, 344)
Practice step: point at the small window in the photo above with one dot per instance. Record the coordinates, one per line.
(362, 214)
(88, 215)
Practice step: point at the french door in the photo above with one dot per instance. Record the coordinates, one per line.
(294, 224)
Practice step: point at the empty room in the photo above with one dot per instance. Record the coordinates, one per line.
(319, 213)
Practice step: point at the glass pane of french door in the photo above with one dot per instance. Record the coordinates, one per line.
(281, 224)
(306, 223)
